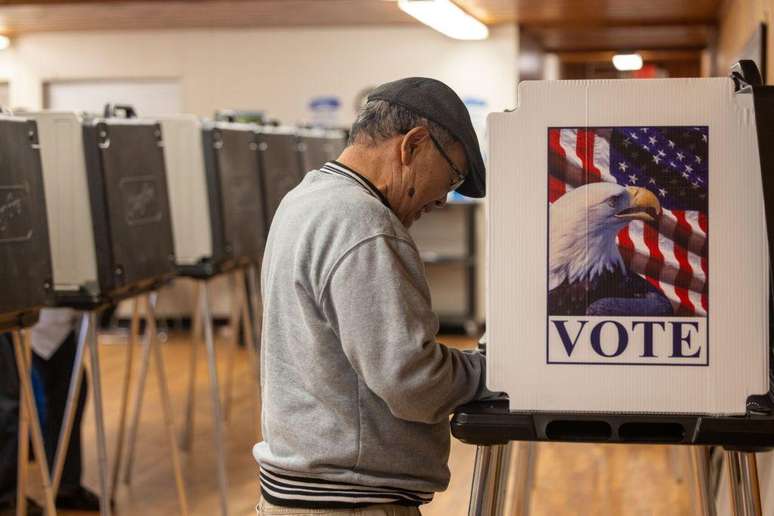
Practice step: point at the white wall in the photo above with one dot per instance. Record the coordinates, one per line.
(276, 70)
(149, 97)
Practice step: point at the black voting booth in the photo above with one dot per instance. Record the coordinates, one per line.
(491, 426)
(280, 169)
(25, 258)
(25, 274)
(235, 193)
(317, 146)
(130, 206)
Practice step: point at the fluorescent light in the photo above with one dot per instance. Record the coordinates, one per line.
(445, 17)
(627, 62)
(5, 42)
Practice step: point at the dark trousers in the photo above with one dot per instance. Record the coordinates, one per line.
(54, 374)
(55, 377)
(9, 419)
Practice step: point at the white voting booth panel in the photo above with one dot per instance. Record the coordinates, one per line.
(628, 258)
(187, 181)
(67, 201)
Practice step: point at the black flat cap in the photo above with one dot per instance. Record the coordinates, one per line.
(435, 101)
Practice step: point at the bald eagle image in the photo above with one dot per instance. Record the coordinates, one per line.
(587, 275)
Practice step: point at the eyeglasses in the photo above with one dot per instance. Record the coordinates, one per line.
(458, 178)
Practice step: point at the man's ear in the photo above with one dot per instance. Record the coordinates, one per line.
(411, 142)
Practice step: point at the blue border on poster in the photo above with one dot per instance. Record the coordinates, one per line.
(548, 222)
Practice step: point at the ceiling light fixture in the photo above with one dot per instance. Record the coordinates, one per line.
(445, 17)
(627, 62)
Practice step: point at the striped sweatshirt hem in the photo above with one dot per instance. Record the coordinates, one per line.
(290, 490)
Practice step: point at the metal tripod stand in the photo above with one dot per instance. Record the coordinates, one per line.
(492, 469)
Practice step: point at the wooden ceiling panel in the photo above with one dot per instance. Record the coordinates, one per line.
(559, 39)
(557, 24)
(56, 15)
(528, 12)
(615, 12)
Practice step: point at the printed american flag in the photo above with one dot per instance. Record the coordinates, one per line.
(671, 162)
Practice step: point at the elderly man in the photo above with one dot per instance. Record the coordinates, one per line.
(356, 390)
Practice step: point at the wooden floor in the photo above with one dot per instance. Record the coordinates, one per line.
(569, 480)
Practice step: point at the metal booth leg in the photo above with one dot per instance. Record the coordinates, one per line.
(217, 415)
(257, 314)
(703, 498)
(27, 400)
(186, 435)
(524, 478)
(490, 479)
(166, 402)
(503, 478)
(134, 332)
(676, 457)
(23, 456)
(137, 409)
(99, 420)
(255, 302)
(743, 480)
(234, 320)
(251, 351)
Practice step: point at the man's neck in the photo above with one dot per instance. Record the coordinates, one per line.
(378, 165)
(367, 163)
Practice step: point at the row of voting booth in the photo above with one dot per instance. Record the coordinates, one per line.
(99, 209)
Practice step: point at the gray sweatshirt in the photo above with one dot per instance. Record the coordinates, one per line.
(356, 390)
